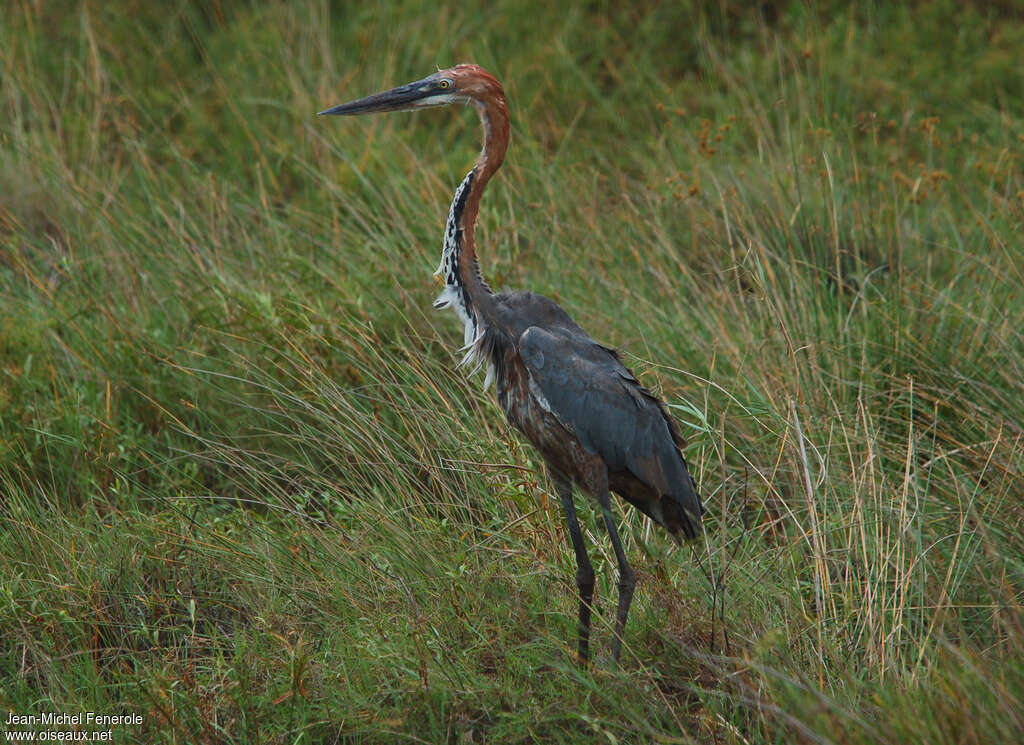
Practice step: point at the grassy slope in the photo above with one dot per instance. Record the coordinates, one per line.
(246, 495)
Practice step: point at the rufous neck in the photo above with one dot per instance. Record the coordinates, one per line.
(495, 120)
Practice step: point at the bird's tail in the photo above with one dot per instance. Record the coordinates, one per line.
(682, 509)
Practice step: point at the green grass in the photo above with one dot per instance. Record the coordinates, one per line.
(245, 493)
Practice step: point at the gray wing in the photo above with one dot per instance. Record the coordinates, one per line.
(593, 395)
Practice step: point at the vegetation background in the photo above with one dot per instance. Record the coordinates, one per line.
(246, 494)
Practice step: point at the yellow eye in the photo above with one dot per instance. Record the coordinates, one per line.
(445, 84)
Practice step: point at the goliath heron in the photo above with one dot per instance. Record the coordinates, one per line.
(593, 422)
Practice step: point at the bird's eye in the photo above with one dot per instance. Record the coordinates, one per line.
(444, 84)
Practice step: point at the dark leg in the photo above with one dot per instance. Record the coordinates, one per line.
(627, 580)
(584, 571)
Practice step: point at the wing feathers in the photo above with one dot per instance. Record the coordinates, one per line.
(593, 395)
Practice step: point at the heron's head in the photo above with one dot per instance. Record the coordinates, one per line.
(459, 84)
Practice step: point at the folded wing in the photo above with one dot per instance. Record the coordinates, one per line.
(594, 396)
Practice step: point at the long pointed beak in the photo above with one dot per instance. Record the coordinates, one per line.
(410, 96)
